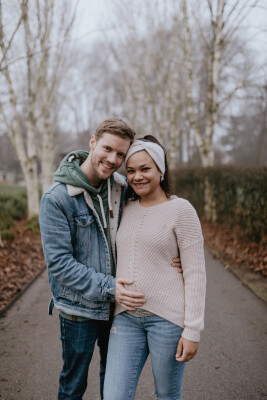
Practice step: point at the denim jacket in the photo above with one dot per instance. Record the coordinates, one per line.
(76, 250)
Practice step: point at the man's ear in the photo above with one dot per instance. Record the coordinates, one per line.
(92, 142)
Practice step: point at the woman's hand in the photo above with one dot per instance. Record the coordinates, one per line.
(126, 298)
(186, 350)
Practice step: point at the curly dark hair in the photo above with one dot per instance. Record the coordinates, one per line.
(165, 184)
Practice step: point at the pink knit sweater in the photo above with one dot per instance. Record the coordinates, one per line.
(147, 240)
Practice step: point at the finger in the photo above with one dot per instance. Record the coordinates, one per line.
(124, 281)
(180, 270)
(176, 261)
(176, 265)
(127, 304)
(183, 357)
(186, 356)
(128, 307)
(179, 349)
(132, 303)
(130, 294)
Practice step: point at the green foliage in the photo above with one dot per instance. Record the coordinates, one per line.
(7, 234)
(13, 206)
(238, 194)
(33, 224)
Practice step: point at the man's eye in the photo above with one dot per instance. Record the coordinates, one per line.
(129, 171)
(145, 169)
(121, 155)
(107, 148)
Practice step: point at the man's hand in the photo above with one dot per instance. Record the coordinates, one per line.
(126, 298)
(176, 263)
(186, 350)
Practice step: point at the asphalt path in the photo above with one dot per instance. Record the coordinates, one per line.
(231, 363)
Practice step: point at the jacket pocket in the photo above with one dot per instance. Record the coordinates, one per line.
(83, 226)
(83, 221)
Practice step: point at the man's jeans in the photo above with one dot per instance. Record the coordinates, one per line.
(131, 340)
(78, 342)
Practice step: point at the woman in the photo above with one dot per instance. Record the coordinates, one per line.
(168, 325)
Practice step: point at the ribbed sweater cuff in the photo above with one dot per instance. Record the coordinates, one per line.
(191, 334)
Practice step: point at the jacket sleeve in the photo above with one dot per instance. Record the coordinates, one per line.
(58, 252)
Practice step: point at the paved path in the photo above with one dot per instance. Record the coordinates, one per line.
(231, 363)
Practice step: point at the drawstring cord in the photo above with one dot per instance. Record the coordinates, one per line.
(109, 206)
(103, 213)
(109, 200)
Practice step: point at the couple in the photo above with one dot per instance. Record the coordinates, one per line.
(158, 310)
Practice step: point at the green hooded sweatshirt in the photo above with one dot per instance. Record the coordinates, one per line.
(69, 172)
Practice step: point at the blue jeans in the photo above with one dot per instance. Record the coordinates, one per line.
(78, 342)
(131, 340)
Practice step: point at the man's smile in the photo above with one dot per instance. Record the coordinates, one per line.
(106, 165)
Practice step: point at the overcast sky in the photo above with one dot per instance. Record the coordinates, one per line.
(94, 15)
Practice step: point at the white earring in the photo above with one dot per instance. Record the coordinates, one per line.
(161, 178)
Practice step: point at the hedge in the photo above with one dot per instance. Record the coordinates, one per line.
(13, 206)
(239, 195)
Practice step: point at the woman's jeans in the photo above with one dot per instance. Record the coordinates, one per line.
(78, 342)
(131, 340)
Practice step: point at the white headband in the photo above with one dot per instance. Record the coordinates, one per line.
(153, 149)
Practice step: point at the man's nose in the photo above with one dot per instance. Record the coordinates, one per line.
(112, 158)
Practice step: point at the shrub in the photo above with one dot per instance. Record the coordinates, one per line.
(238, 195)
(13, 206)
(32, 224)
(7, 234)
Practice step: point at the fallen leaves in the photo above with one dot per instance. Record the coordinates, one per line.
(20, 260)
(236, 247)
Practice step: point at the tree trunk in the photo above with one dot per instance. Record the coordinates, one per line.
(47, 152)
(32, 187)
(172, 149)
(209, 202)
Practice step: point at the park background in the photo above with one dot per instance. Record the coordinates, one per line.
(191, 72)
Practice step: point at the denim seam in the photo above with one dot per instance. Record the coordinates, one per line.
(133, 381)
(64, 347)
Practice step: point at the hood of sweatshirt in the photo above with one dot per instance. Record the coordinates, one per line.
(70, 173)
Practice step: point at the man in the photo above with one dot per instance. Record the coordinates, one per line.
(79, 218)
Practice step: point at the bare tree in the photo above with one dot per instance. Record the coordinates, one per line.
(150, 65)
(215, 38)
(31, 85)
